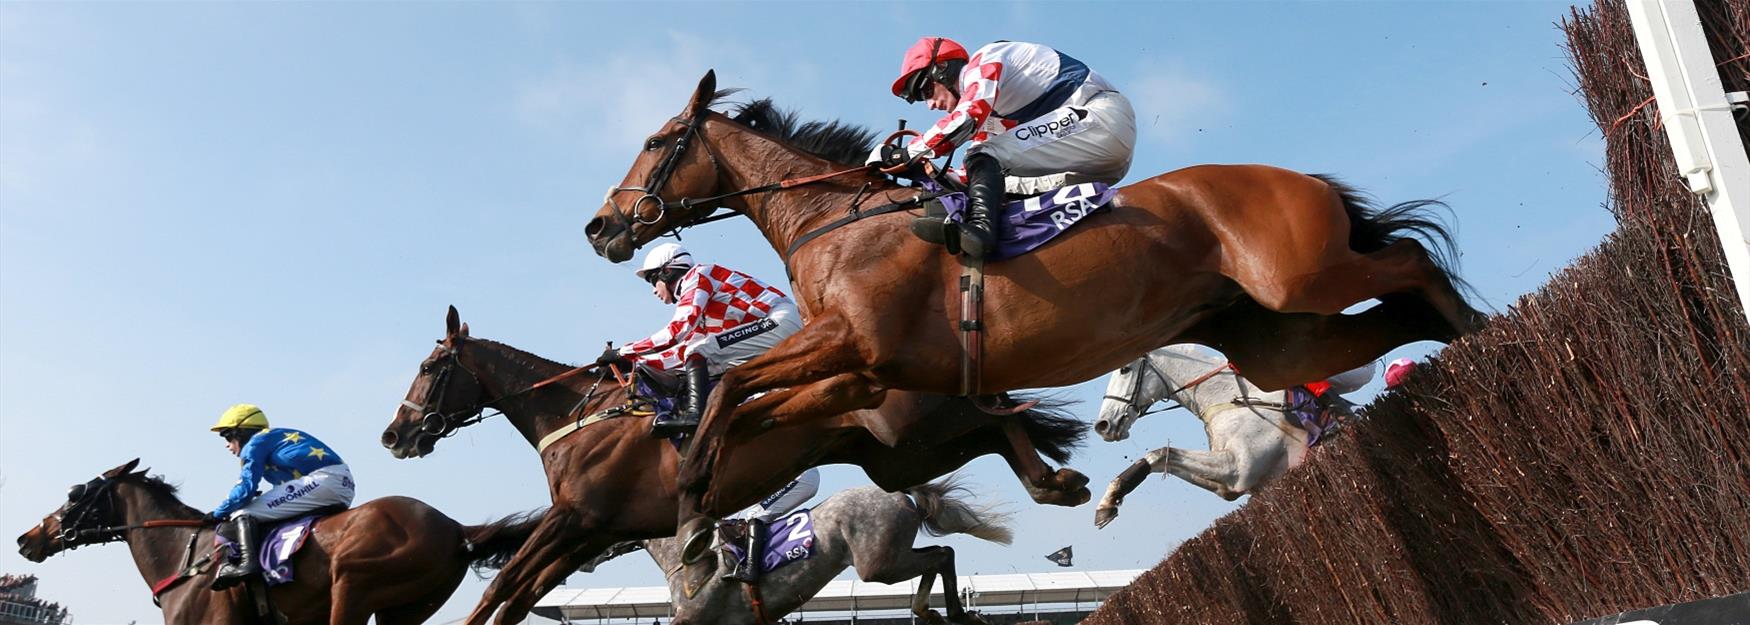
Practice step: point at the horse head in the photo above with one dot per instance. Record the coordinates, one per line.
(1129, 392)
(445, 396)
(675, 165)
(90, 508)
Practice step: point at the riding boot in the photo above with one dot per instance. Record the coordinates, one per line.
(686, 416)
(747, 571)
(243, 529)
(984, 193)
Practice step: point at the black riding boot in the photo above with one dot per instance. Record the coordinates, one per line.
(243, 530)
(685, 419)
(984, 192)
(748, 570)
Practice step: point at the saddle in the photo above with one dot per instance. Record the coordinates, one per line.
(1024, 223)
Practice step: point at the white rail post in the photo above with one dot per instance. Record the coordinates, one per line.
(1697, 115)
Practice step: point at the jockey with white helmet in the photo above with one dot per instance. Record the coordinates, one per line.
(1022, 109)
(722, 318)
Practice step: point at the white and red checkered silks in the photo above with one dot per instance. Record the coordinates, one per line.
(721, 315)
(1048, 119)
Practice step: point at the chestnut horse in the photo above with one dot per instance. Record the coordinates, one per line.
(611, 482)
(394, 558)
(1255, 261)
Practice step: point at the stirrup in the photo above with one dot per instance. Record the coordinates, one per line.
(931, 228)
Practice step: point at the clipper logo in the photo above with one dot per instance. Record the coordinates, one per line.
(745, 332)
(1068, 124)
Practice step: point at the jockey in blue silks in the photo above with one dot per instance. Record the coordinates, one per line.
(305, 473)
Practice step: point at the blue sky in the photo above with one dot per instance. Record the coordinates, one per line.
(203, 204)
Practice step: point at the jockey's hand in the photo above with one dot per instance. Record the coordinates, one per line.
(887, 155)
(609, 356)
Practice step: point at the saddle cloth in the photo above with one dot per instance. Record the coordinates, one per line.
(788, 539)
(1028, 223)
(278, 544)
(1306, 412)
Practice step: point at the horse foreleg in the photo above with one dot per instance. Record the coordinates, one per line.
(549, 541)
(817, 352)
(518, 606)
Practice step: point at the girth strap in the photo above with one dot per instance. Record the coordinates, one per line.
(971, 325)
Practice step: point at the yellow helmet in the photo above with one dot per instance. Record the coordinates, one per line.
(241, 416)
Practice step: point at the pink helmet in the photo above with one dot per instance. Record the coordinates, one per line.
(927, 53)
(1397, 371)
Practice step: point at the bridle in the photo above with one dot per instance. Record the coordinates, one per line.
(441, 424)
(1148, 366)
(91, 503)
(652, 188)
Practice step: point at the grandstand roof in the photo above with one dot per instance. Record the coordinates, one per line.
(982, 591)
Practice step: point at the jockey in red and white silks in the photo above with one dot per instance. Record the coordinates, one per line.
(722, 318)
(1044, 115)
(1024, 110)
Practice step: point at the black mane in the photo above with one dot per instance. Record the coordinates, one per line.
(155, 482)
(836, 141)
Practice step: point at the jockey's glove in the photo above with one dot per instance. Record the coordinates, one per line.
(609, 356)
(887, 155)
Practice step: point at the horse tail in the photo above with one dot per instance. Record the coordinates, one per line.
(1372, 229)
(490, 546)
(945, 511)
(1054, 430)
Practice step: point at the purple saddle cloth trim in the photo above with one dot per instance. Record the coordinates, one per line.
(788, 539)
(1304, 411)
(1031, 222)
(278, 544)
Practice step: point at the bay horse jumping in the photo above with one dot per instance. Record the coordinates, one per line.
(611, 482)
(1255, 261)
(862, 528)
(395, 559)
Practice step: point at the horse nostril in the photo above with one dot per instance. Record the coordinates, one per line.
(595, 227)
(1101, 426)
(389, 439)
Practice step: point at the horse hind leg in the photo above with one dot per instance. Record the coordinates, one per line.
(1063, 487)
(1278, 350)
(1403, 267)
(894, 564)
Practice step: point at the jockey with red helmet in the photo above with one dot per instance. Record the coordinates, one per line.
(722, 318)
(1023, 110)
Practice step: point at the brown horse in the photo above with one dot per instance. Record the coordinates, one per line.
(1255, 261)
(611, 482)
(394, 558)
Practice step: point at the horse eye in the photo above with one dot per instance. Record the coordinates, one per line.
(425, 367)
(1124, 369)
(653, 143)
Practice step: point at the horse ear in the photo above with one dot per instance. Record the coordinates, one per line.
(464, 332)
(452, 322)
(703, 96)
(122, 470)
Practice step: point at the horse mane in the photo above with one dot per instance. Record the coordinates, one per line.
(521, 358)
(157, 485)
(836, 141)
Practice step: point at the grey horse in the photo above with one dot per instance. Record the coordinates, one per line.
(1251, 440)
(864, 528)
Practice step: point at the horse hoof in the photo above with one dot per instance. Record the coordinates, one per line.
(1104, 515)
(697, 536)
(1071, 479)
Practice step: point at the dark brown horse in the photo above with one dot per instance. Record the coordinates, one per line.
(611, 482)
(1255, 261)
(394, 558)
